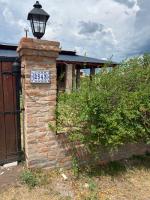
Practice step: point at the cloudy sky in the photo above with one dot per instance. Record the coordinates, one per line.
(101, 28)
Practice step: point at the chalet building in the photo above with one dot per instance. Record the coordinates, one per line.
(69, 65)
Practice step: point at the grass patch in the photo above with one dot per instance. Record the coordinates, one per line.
(33, 178)
(29, 178)
(125, 179)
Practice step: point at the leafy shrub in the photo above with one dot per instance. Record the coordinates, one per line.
(36, 177)
(29, 178)
(112, 109)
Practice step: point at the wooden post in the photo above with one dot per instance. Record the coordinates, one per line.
(69, 68)
(73, 77)
(78, 78)
(92, 72)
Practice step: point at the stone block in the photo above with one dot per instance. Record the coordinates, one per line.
(40, 102)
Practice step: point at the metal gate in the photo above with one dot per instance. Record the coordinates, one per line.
(10, 134)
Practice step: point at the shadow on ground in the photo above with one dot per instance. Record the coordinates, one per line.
(117, 168)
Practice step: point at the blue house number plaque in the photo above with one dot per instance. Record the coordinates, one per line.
(40, 76)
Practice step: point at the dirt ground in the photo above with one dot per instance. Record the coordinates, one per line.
(130, 181)
(9, 176)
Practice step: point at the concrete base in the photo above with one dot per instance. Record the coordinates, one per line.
(13, 164)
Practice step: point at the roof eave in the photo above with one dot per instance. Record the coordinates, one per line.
(85, 63)
(7, 59)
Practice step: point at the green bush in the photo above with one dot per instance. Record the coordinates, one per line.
(29, 178)
(112, 109)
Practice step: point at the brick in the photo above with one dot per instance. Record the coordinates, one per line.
(41, 145)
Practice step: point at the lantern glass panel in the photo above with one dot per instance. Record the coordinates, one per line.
(38, 26)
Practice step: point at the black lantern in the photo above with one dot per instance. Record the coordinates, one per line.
(38, 18)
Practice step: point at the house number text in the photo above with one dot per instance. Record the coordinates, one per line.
(40, 76)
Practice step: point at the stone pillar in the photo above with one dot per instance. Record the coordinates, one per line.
(41, 147)
(69, 68)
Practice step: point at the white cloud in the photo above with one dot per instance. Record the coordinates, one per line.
(112, 24)
(8, 15)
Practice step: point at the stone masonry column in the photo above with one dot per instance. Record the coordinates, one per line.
(42, 149)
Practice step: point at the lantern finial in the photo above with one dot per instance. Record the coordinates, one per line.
(37, 5)
(38, 19)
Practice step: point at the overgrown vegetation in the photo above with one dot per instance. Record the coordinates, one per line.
(33, 178)
(27, 177)
(111, 110)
